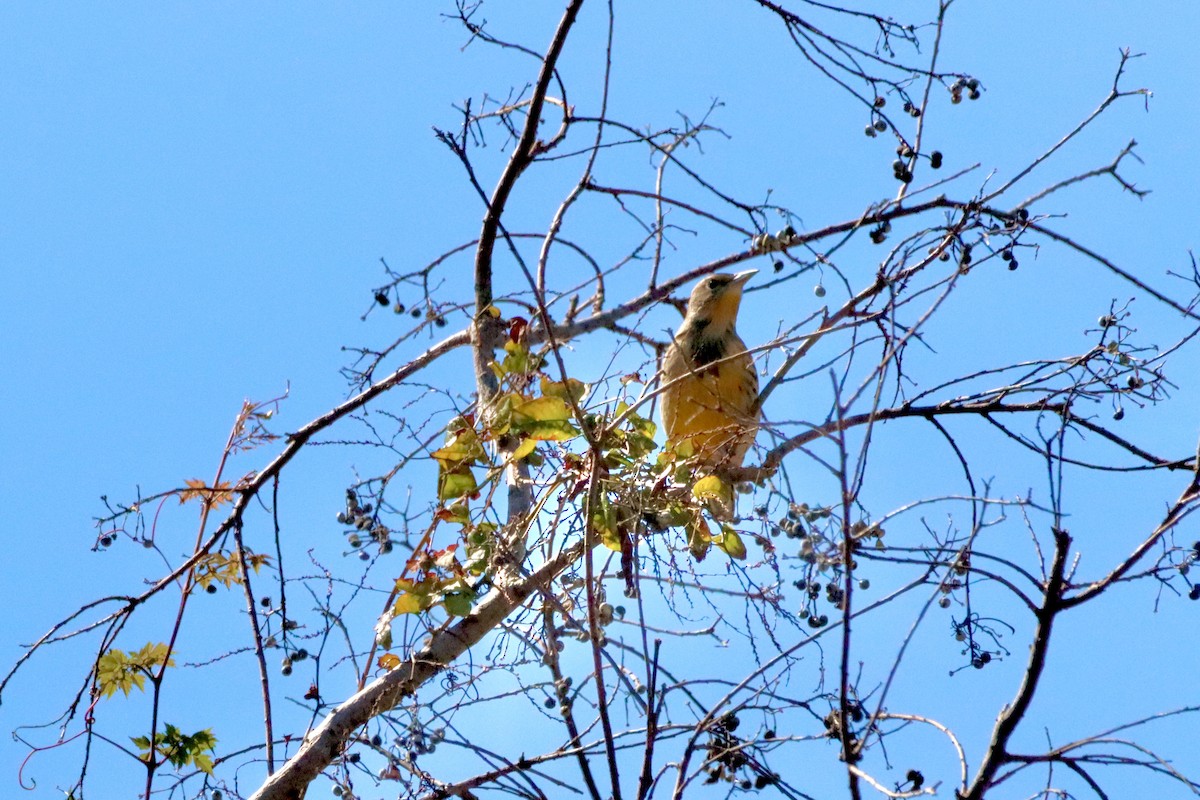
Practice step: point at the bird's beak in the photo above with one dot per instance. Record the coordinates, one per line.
(740, 278)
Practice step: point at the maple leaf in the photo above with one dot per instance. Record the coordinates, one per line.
(213, 495)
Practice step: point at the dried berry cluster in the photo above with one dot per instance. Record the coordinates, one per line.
(361, 523)
(728, 755)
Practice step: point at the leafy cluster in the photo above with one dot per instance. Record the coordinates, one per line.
(117, 669)
(179, 749)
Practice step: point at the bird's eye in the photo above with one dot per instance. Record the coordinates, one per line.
(714, 284)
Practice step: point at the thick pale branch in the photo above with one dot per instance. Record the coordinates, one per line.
(328, 740)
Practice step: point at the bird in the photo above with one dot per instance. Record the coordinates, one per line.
(709, 384)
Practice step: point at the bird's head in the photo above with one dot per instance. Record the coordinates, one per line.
(715, 300)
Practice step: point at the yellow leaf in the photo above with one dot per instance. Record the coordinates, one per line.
(544, 409)
(570, 388)
(526, 447)
(127, 671)
(710, 487)
(389, 661)
(408, 604)
(115, 671)
(460, 448)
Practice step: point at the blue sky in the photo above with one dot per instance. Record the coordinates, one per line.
(196, 198)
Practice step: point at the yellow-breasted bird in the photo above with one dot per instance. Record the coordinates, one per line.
(710, 387)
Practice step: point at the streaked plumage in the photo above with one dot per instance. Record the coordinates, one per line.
(709, 382)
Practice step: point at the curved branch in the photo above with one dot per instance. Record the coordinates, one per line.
(1006, 724)
(326, 742)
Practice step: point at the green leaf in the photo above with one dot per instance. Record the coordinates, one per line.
(731, 542)
(499, 416)
(684, 449)
(178, 749)
(643, 426)
(459, 603)
(460, 483)
(203, 762)
(639, 445)
(604, 522)
(113, 671)
(204, 740)
(480, 543)
(550, 431)
(516, 358)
